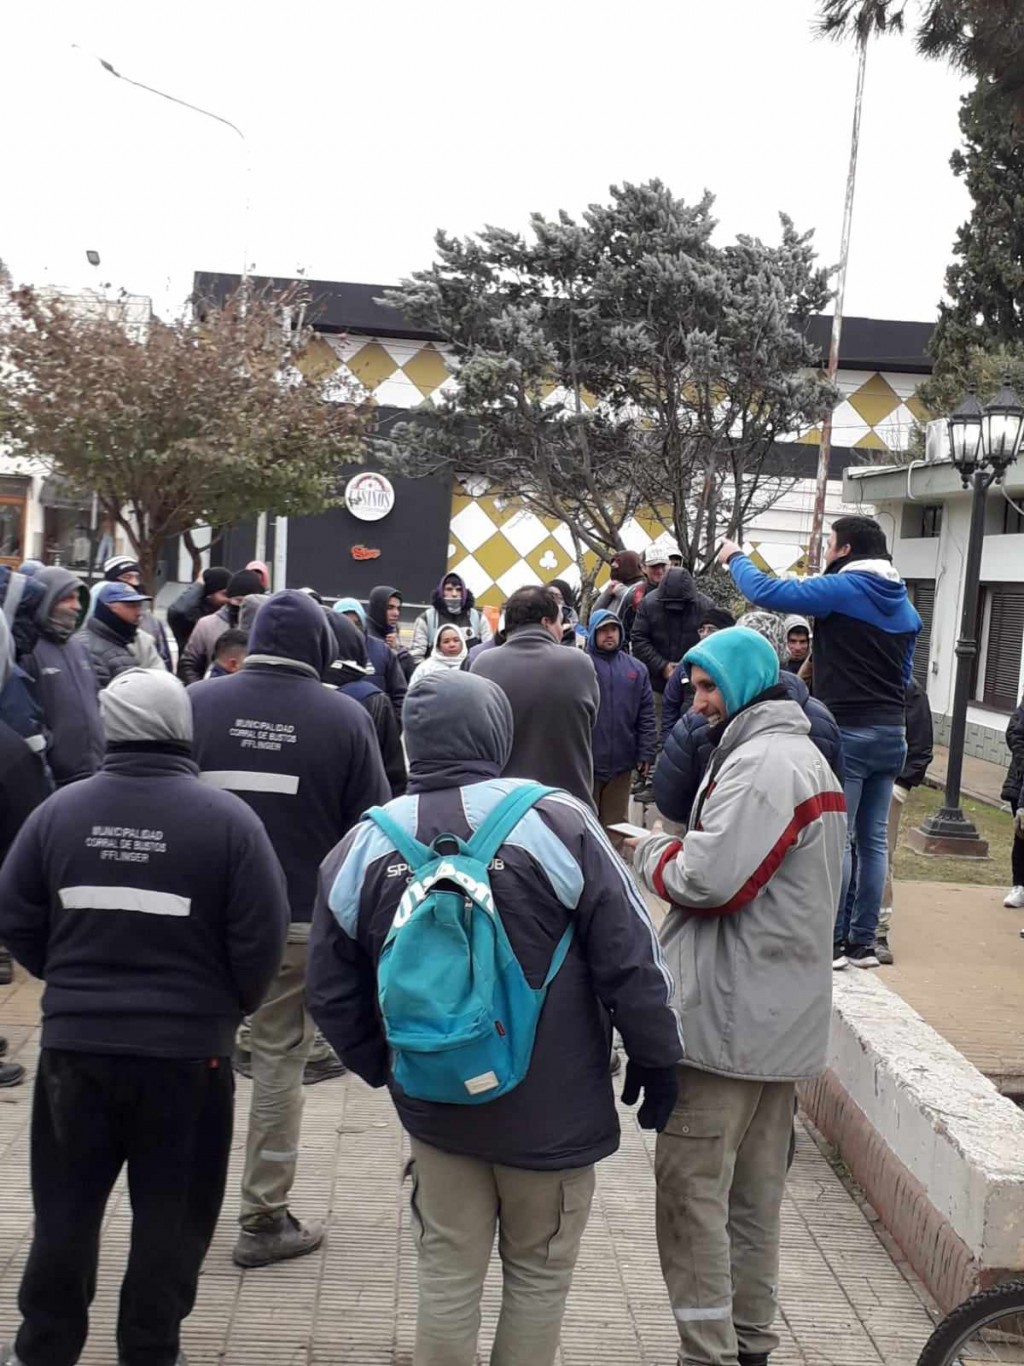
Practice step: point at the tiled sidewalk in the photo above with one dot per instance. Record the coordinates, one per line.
(844, 1300)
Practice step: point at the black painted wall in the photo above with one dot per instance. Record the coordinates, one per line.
(412, 539)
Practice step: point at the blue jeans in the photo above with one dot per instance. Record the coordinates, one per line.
(874, 757)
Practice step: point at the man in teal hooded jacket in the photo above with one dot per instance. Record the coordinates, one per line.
(747, 938)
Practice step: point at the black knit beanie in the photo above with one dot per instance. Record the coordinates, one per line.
(216, 579)
(243, 583)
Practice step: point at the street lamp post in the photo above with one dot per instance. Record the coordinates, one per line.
(983, 442)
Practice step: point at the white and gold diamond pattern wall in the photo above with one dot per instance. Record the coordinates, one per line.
(877, 413)
(497, 545)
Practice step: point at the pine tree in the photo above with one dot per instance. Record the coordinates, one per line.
(985, 283)
(985, 38)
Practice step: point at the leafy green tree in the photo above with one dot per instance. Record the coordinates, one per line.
(520, 422)
(619, 362)
(985, 369)
(985, 283)
(704, 347)
(207, 418)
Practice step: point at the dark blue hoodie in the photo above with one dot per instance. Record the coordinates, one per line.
(153, 907)
(624, 732)
(865, 629)
(303, 756)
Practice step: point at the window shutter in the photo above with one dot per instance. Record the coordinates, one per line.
(1005, 641)
(922, 595)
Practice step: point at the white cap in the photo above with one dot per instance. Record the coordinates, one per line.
(655, 554)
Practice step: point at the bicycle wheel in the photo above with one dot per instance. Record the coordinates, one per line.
(988, 1328)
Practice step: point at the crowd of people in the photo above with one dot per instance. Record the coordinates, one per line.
(403, 861)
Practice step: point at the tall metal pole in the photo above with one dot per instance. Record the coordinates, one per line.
(206, 113)
(950, 824)
(825, 450)
(261, 520)
(966, 654)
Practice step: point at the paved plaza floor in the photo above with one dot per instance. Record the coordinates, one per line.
(845, 1300)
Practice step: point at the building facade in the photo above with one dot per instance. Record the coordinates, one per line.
(495, 543)
(926, 512)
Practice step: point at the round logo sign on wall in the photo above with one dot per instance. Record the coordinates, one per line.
(369, 496)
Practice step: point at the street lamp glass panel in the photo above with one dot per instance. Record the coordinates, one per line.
(1003, 427)
(965, 432)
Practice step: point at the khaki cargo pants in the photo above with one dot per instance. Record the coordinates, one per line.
(611, 797)
(457, 1202)
(280, 1036)
(721, 1171)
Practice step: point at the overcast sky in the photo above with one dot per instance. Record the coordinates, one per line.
(369, 125)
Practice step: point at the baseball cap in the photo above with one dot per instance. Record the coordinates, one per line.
(120, 592)
(655, 554)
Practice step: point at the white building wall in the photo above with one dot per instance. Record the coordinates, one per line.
(942, 559)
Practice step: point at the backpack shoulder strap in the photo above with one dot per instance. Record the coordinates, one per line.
(414, 853)
(496, 827)
(559, 955)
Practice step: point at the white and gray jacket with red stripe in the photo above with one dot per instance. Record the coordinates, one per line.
(753, 890)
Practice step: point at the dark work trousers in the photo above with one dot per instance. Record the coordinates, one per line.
(170, 1120)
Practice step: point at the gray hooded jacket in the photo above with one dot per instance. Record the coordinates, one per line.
(62, 668)
(753, 889)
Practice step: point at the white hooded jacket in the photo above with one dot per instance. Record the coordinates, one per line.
(437, 663)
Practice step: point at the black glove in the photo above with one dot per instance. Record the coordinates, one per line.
(660, 1086)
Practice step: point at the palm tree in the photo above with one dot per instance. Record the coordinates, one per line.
(841, 19)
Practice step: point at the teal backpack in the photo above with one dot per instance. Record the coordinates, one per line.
(459, 1015)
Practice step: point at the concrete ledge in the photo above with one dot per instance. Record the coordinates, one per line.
(938, 1151)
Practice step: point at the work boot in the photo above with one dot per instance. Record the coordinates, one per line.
(882, 951)
(277, 1240)
(323, 1069)
(7, 974)
(11, 1074)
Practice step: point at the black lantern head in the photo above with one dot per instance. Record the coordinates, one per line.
(1003, 428)
(965, 430)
